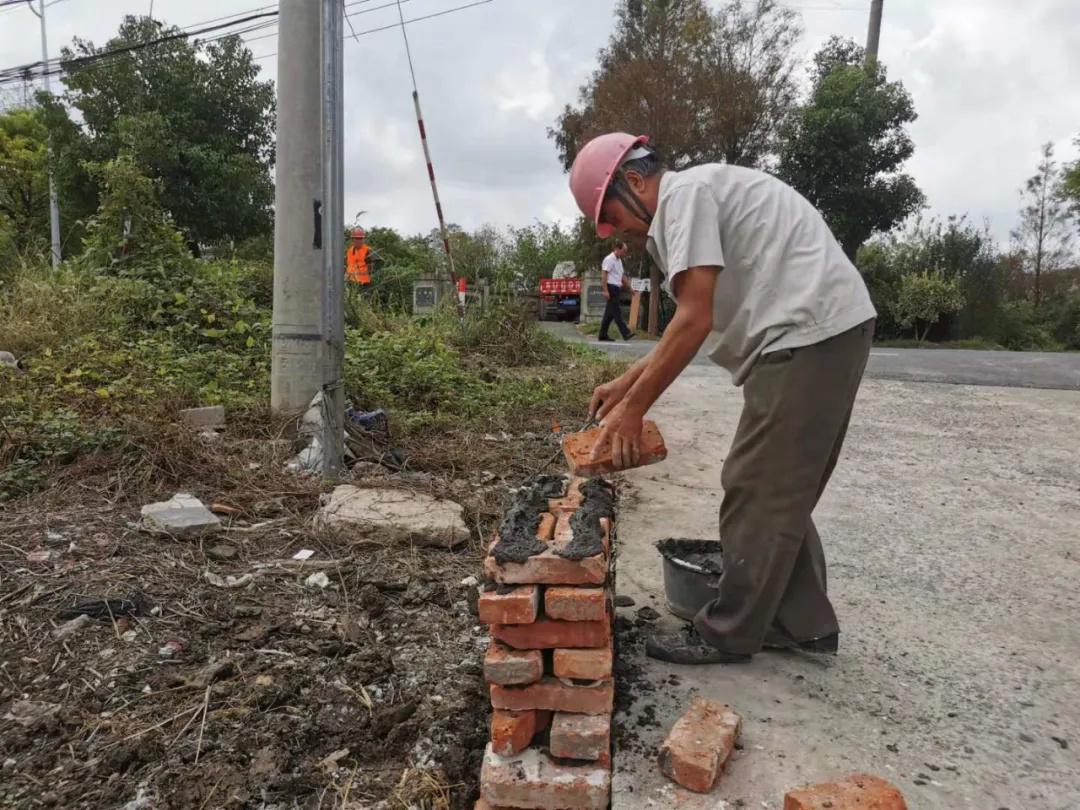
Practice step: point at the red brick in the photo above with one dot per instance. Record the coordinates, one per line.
(546, 634)
(532, 779)
(699, 744)
(584, 664)
(509, 667)
(555, 695)
(513, 731)
(575, 604)
(858, 792)
(519, 606)
(577, 447)
(564, 533)
(568, 504)
(580, 736)
(546, 529)
(549, 569)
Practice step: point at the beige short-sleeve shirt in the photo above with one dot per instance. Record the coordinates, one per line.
(785, 281)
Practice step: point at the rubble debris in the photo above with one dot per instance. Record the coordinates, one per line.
(390, 515)
(70, 628)
(183, 515)
(211, 417)
(136, 604)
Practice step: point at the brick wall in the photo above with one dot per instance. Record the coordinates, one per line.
(549, 663)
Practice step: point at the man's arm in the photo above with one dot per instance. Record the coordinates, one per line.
(682, 338)
(603, 283)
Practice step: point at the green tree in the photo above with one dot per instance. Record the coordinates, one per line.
(24, 185)
(131, 234)
(1071, 183)
(843, 149)
(1043, 237)
(533, 252)
(193, 115)
(923, 298)
(704, 85)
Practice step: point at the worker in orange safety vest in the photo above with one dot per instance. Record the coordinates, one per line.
(356, 258)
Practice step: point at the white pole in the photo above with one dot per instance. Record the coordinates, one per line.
(333, 158)
(54, 205)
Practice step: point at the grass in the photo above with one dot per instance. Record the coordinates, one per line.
(111, 361)
(979, 344)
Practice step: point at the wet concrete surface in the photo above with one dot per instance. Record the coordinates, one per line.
(951, 529)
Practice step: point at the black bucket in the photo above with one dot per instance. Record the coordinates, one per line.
(691, 574)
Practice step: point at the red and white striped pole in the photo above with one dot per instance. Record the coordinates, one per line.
(431, 169)
(434, 188)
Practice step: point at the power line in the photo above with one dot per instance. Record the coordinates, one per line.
(59, 64)
(20, 73)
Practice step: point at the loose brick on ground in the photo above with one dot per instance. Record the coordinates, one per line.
(699, 744)
(858, 792)
(575, 604)
(532, 779)
(580, 736)
(505, 666)
(555, 695)
(577, 447)
(513, 731)
(520, 605)
(583, 664)
(546, 634)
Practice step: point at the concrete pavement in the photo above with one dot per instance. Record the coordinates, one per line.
(959, 366)
(951, 530)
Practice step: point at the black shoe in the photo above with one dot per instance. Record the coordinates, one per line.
(607, 339)
(777, 639)
(629, 336)
(688, 647)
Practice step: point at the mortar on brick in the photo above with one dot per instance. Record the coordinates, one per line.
(521, 518)
(588, 539)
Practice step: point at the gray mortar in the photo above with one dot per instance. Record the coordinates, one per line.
(705, 554)
(598, 502)
(521, 518)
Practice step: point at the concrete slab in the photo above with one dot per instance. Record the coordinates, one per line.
(395, 515)
(951, 530)
(182, 515)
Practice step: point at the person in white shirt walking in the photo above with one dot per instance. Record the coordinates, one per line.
(612, 279)
(756, 271)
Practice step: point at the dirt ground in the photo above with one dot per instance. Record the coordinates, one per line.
(275, 693)
(951, 529)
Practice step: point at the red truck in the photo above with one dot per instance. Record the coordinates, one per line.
(560, 296)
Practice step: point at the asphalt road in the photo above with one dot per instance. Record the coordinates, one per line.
(1060, 370)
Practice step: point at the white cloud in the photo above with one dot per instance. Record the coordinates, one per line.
(991, 80)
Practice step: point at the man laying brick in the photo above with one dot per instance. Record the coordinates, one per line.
(756, 272)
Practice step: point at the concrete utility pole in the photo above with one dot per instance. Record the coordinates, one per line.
(296, 356)
(333, 160)
(54, 205)
(873, 33)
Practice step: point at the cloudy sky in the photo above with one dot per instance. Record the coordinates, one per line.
(991, 79)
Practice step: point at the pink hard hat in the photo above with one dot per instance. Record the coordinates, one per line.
(358, 233)
(593, 169)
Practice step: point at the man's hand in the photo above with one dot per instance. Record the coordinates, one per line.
(607, 396)
(622, 427)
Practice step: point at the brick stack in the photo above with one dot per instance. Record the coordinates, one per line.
(549, 664)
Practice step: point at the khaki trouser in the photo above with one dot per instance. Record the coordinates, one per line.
(796, 409)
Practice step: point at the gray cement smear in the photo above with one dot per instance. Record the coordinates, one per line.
(705, 554)
(588, 539)
(952, 531)
(521, 518)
